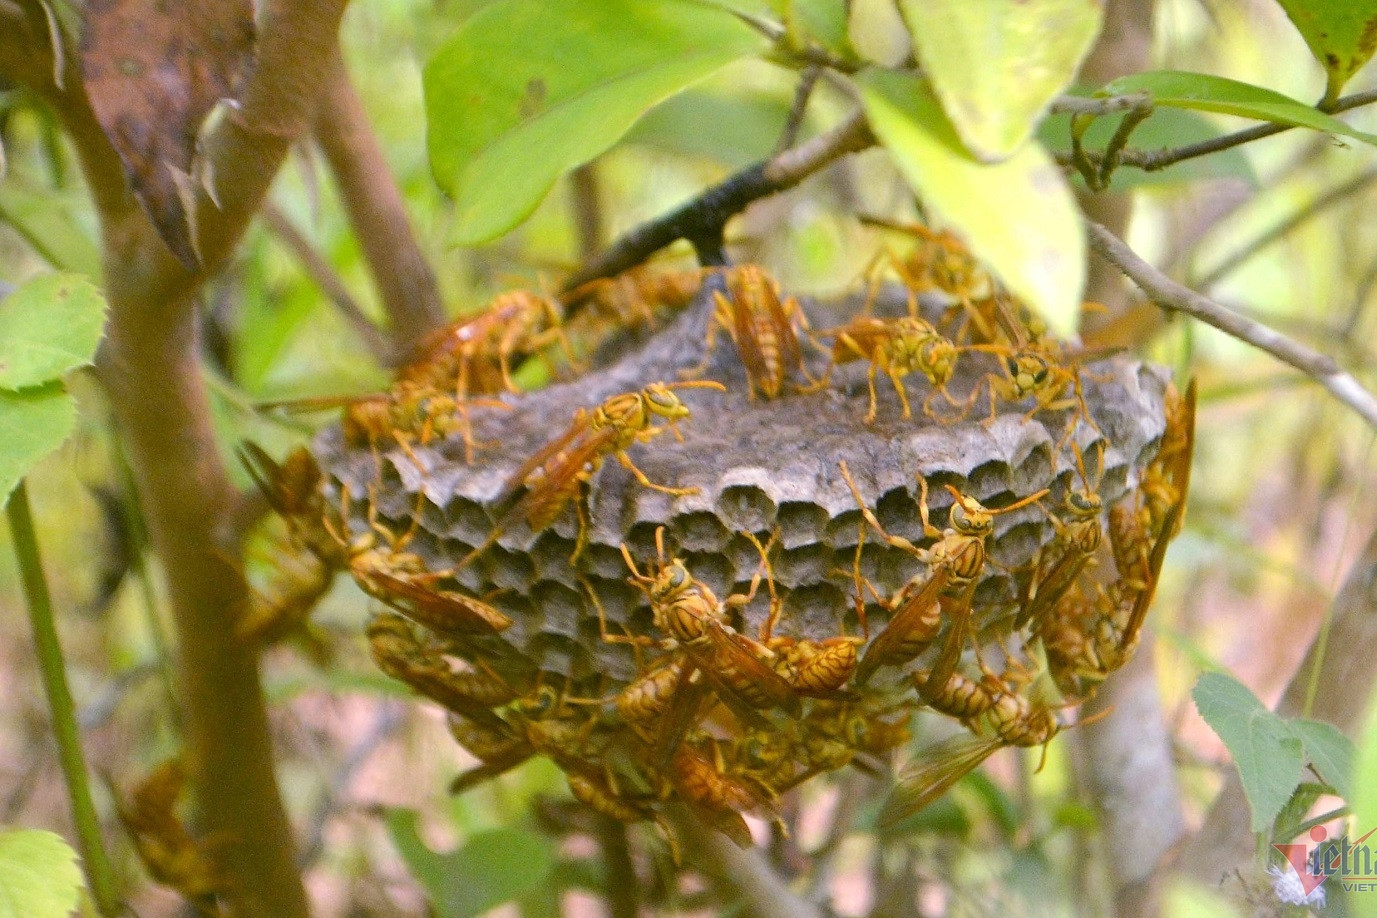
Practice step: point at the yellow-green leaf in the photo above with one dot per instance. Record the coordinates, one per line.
(1268, 754)
(528, 89)
(1207, 93)
(1018, 216)
(49, 326)
(39, 877)
(1342, 34)
(996, 65)
(33, 423)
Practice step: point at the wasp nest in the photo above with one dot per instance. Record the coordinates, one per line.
(508, 534)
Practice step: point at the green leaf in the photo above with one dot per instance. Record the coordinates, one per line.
(1329, 751)
(528, 89)
(993, 206)
(1167, 127)
(1268, 754)
(996, 65)
(733, 130)
(49, 326)
(495, 866)
(46, 223)
(1342, 34)
(33, 423)
(824, 20)
(1206, 93)
(877, 32)
(39, 877)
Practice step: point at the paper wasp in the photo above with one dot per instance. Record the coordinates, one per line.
(897, 347)
(401, 654)
(959, 696)
(172, 856)
(714, 793)
(633, 297)
(1012, 719)
(400, 579)
(955, 563)
(474, 354)
(738, 667)
(544, 722)
(1060, 562)
(604, 796)
(300, 580)
(763, 326)
(557, 473)
(816, 669)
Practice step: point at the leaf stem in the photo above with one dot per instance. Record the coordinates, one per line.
(93, 854)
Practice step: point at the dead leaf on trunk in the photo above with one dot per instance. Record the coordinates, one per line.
(154, 70)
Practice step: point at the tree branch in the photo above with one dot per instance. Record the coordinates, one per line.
(406, 284)
(1168, 294)
(329, 282)
(1153, 160)
(148, 365)
(701, 220)
(744, 872)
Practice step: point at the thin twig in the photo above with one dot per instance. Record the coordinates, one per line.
(623, 890)
(1168, 294)
(701, 220)
(99, 873)
(1153, 160)
(802, 93)
(1335, 195)
(1079, 105)
(745, 872)
(329, 282)
(585, 198)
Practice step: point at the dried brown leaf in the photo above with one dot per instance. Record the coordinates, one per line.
(154, 71)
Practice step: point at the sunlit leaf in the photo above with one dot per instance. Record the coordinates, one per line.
(1342, 34)
(527, 90)
(1268, 754)
(991, 206)
(33, 423)
(877, 32)
(1329, 751)
(492, 867)
(39, 877)
(49, 326)
(996, 65)
(1207, 93)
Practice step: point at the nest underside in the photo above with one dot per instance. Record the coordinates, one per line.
(770, 468)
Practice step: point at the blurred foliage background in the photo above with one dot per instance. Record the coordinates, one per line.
(1279, 510)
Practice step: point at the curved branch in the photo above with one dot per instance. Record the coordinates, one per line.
(700, 221)
(406, 284)
(1153, 160)
(1168, 294)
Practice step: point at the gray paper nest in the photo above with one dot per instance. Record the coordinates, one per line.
(762, 467)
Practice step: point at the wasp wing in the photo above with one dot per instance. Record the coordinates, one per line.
(932, 774)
